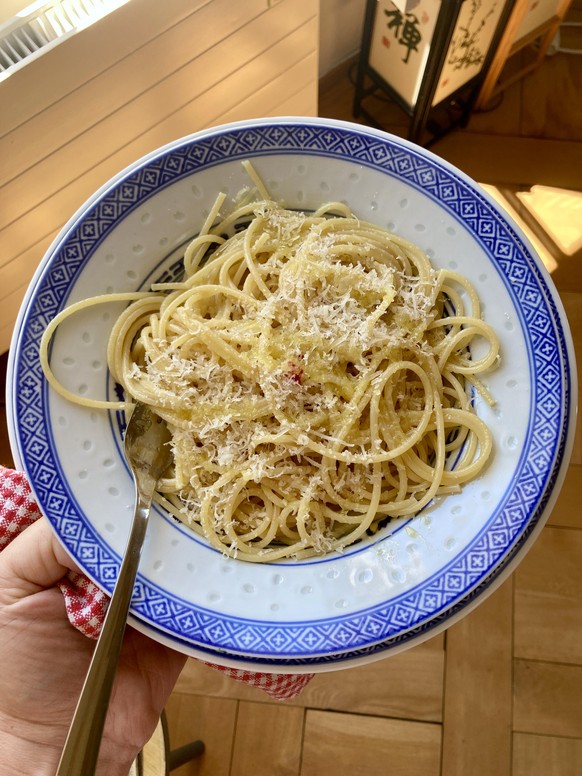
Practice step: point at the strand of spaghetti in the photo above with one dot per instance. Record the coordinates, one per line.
(461, 280)
(456, 342)
(453, 418)
(249, 253)
(233, 261)
(410, 439)
(121, 354)
(195, 250)
(437, 470)
(47, 338)
(256, 179)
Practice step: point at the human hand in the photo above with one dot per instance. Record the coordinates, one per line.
(44, 660)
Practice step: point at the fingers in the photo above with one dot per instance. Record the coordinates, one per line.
(33, 561)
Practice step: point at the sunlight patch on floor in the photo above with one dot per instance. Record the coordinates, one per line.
(559, 212)
(551, 219)
(549, 260)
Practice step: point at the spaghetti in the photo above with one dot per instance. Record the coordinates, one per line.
(316, 373)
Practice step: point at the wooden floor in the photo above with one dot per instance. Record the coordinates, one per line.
(499, 693)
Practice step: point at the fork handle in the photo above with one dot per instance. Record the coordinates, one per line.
(81, 750)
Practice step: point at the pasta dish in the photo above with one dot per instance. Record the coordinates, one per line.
(317, 375)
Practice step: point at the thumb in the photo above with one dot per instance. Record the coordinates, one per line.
(33, 561)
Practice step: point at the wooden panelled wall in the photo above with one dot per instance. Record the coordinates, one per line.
(145, 75)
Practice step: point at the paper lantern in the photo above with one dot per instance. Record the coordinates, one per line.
(430, 56)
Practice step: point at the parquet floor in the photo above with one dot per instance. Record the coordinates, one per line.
(500, 693)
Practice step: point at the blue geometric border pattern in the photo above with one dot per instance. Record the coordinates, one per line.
(436, 598)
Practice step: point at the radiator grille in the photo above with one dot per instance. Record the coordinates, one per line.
(45, 24)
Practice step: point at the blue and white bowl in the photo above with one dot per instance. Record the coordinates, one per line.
(416, 577)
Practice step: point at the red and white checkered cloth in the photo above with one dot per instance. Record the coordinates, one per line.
(86, 604)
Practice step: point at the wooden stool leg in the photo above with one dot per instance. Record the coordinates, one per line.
(184, 754)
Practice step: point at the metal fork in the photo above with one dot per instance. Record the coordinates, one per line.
(148, 454)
